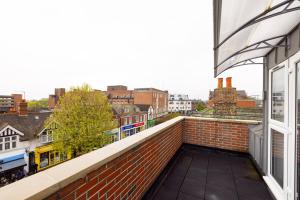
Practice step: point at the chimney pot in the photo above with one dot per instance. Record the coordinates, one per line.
(220, 83)
(229, 82)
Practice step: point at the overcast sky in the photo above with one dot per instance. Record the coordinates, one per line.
(166, 44)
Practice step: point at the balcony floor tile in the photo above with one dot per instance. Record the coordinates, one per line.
(208, 174)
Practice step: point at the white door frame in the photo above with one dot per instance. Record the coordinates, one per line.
(287, 128)
(293, 61)
(282, 127)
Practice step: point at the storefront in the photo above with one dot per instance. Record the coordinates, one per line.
(46, 157)
(132, 129)
(12, 167)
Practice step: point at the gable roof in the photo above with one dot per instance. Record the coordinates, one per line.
(29, 125)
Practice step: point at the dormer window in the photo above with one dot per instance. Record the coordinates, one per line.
(46, 136)
(7, 143)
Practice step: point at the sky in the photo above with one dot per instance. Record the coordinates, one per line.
(166, 44)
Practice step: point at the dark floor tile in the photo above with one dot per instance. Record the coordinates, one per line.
(220, 179)
(197, 173)
(248, 187)
(183, 196)
(193, 187)
(173, 182)
(166, 194)
(214, 192)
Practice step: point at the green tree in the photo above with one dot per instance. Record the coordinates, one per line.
(36, 105)
(200, 106)
(82, 116)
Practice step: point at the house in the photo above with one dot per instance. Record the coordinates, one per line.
(130, 118)
(18, 141)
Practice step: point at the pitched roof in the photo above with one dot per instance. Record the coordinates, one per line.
(30, 125)
(124, 108)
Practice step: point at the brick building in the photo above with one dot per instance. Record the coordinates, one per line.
(53, 98)
(10, 103)
(158, 99)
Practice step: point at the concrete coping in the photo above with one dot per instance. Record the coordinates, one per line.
(250, 122)
(45, 183)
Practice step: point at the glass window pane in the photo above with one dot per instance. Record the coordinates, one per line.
(7, 139)
(7, 145)
(14, 145)
(13, 137)
(1, 147)
(278, 88)
(1, 139)
(277, 141)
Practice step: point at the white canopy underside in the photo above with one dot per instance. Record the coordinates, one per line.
(246, 43)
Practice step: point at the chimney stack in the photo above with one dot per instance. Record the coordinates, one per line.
(220, 83)
(228, 82)
(22, 108)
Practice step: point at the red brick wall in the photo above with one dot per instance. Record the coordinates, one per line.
(131, 174)
(246, 104)
(223, 135)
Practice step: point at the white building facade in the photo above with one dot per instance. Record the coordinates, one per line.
(179, 103)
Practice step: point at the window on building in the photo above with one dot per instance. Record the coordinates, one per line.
(141, 118)
(130, 120)
(46, 136)
(7, 143)
(125, 120)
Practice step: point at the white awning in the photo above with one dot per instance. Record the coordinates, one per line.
(245, 30)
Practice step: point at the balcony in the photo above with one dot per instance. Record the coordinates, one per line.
(183, 158)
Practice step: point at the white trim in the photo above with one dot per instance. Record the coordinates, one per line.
(12, 128)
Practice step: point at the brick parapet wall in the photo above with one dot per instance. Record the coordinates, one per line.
(130, 175)
(227, 134)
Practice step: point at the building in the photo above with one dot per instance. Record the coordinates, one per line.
(18, 140)
(240, 97)
(268, 34)
(155, 98)
(53, 98)
(10, 103)
(150, 114)
(179, 103)
(131, 119)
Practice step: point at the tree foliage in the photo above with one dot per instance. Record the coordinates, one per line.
(36, 105)
(200, 106)
(82, 116)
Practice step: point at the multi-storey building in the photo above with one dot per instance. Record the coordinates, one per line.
(158, 99)
(10, 103)
(179, 103)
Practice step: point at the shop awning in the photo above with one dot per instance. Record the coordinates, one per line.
(246, 30)
(12, 165)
